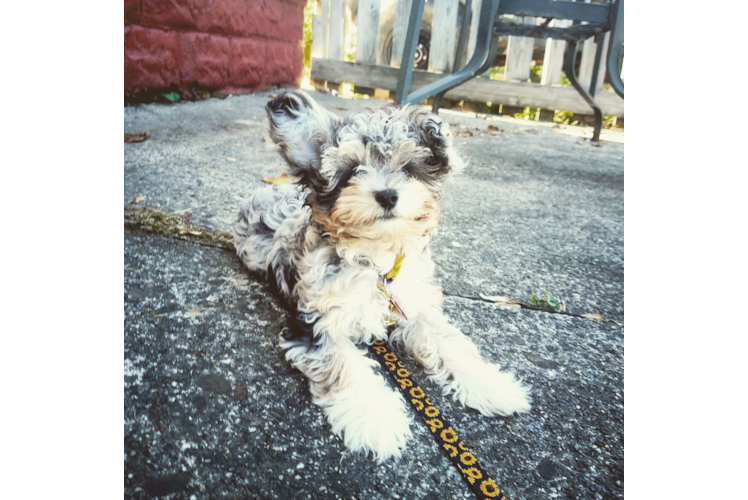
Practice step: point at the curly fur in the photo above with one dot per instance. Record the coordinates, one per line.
(327, 241)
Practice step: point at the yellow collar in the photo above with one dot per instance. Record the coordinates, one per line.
(396, 311)
(395, 267)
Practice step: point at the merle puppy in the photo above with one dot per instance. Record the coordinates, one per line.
(347, 248)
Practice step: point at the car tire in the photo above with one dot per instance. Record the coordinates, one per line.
(387, 28)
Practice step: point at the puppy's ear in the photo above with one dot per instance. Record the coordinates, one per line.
(300, 126)
(436, 135)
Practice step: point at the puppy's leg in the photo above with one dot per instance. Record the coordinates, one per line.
(455, 363)
(358, 404)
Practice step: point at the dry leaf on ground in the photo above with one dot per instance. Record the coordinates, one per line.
(501, 300)
(280, 179)
(238, 281)
(462, 133)
(135, 137)
(193, 312)
(139, 199)
(193, 232)
(596, 316)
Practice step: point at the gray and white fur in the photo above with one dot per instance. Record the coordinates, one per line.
(368, 188)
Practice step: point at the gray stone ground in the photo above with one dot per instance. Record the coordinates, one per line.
(211, 408)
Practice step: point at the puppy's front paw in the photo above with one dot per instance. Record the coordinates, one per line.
(490, 391)
(373, 420)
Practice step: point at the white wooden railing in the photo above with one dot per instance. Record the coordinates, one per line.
(370, 69)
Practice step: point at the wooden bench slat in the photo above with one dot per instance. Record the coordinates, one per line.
(477, 89)
(367, 33)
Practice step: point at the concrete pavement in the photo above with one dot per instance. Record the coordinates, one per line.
(211, 408)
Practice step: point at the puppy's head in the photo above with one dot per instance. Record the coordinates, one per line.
(373, 176)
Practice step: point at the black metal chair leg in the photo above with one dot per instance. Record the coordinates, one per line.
(464, 31)
(492, 51)
(598, 125)
(409, 51)
(599, 39)
(461, 46)
(615, 50)
(482, 48)
(462, 42)
(437, 102)
(571, 74)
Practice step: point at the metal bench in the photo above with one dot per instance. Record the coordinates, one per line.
(588, 20)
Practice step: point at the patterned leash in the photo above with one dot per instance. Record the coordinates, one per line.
(477, 478)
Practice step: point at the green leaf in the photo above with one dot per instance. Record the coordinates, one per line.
(171, 96)
(547, 302)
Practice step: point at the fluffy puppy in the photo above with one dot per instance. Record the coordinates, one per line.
(367, 198)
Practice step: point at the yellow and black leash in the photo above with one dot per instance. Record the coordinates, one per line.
(446, 437)
(444, 434)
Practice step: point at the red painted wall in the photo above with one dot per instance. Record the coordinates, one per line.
(229, 45)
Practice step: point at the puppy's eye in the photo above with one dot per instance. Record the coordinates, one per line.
(406, 170)
(358, 172)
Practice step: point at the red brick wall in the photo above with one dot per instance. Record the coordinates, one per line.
(227, 45)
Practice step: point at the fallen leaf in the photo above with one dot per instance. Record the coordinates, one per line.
(171, 96)
(139, 199)
(228, 158)
(596, 316)
(273, 96)
(503, 301)
(186, 216)
(209, 170)
(546, 302)
(237, 281)
(341, 108)
(196, 233)
(135, 137)
(462, 133)
(280, 179)
(493, 127)
(489, 339)
(193, 312)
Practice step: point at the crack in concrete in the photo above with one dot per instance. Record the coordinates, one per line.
(523, 305)
(144, 219)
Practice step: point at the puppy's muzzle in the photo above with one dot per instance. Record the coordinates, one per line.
(387, 198)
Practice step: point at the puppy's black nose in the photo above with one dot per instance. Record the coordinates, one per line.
(386, 198)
